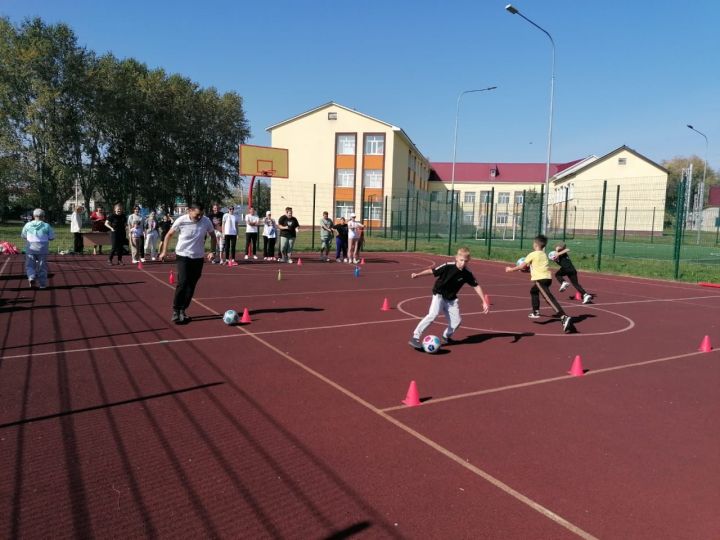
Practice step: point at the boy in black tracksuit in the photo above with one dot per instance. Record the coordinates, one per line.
(568, 269)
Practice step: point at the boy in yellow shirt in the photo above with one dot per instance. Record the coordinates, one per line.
(541, 277)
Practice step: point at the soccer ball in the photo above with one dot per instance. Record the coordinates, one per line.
(230, 317)
(520, 261)
(552, 255)
(431, 344)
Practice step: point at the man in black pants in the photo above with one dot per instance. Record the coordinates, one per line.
(192, 229)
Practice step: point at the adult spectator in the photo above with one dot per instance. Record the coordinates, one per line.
(354, 233)
(76, 229)
(289, 227)
(341, 240)
(251, 232)
(37, 235)
(269, 237)
(116, 223)
(191, 229)
(216, 216)
(164, 226)
(229, 226)
(326, 236)
(132, 222)
(151, 236)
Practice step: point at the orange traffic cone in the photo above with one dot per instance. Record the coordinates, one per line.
(576, 370)
(385, 306)
(705, 345)
(362, 260)
(140, 266)
(246, 317)
(412, 399)
(171, 278)
(299, 263)
(578, 296)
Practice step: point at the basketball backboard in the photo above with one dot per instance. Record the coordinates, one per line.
(263, 161)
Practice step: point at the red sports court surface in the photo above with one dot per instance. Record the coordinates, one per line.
(116, 423)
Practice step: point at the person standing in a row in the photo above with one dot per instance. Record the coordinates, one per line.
(116, 224)
(229, 226)
(251, 233)
(76, 229)
(269, 237)
(151, 236)
(289, 227)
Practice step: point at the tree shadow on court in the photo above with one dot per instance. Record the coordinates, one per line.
(51, 287)
(350, 531)
(283, 310)
(12, 308)
(480, 338)
(82, 338)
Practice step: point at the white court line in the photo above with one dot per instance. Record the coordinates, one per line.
(552, 379)
(422, 438)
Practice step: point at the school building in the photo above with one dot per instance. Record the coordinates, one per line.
(344, 161)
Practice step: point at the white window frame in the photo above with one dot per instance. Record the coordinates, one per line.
(375, 145)
(519, 197)
(501, 218)
(346, 144)
(345, 178)
(469, 197)
(372, 178)
(373, 210)
(504, 197)
(344, 209)
(468, 217)
(485, 197)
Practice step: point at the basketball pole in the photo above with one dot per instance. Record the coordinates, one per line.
(250, 192)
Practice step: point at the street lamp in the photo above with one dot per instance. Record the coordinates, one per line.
(452, 183)
(701, 190)
(514, 11)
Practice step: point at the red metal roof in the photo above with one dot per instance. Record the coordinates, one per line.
(505, 172)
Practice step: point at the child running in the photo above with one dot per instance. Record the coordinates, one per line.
(450, 277)
(541, 277)
(568, 269)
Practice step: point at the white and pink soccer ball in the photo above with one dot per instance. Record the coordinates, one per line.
(431, 344)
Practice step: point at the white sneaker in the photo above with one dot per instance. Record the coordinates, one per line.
(338, 260)
(586, 298)
(246, 257)
(345, 260)
(255, 257)
(142, 260)
(134, 261)
(564, 286)
(289, 261)
(153, 258)
(534, 315)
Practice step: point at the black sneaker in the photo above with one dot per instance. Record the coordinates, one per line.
(447, 340)
(175, 317)
(184, 318)
(415, 343)
(566, 323)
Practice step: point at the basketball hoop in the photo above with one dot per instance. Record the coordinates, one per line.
(268, 173)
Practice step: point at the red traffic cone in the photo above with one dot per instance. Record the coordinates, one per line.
(385, 306)
(576, 370)
(412, 399)
(362, 260)
(171, 278)
(140, 266)
(578, 296)
(705, 345)
(299, 263)
(246, 317)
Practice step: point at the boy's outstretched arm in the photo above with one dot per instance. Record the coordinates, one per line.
(562, 251)
(481, 294)
(426, 272)
(522, 266)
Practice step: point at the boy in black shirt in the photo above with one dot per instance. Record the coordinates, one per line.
(450, 277)
(568, 269)
(289, 227)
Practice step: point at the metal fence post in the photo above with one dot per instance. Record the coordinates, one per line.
(625, 224)
(313, 218)
(522, 220)
(417, 201)
(385, 222)
(602, 226)
(490, 219)
(617, 209)
(679, 219)
(567, 203)
(542, 202)
(407, 217)
(652, 229)
(450, 226)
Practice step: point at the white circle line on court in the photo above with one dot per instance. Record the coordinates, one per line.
(630, 323)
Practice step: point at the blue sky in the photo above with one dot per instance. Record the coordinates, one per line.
(631, 73)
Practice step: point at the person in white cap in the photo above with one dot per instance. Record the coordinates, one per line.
(354, 232)
(269, 237)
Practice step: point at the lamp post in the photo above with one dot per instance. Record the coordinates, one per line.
(452, 183)
(701, 189)
(514, 11)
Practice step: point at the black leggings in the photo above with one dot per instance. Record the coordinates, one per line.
(188, 272)
(251, 238)
(268, 247)
(542, 287)
(118, 244)
(78, 242)
(572, 276)
(230, 241)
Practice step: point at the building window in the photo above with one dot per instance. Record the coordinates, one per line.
(344, 209)
(467, 218)
(373, 210)
(519, 197)
(469, 197)
(501, 218)
(374, 145)
(332, 116)
(345, 178)
(622, 161)
(484, 197)
(346, 145)
(434, 196)
(504, 197)
(372, 178)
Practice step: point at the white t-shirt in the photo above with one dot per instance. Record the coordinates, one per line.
(354, 228)
(191, 236)
(229, 224)
(251, 223)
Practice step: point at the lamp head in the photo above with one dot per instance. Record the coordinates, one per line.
(690, 126)
(512, 9)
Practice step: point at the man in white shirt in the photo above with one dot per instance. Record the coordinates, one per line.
(192, 229)
(251, 232)
(229, 229)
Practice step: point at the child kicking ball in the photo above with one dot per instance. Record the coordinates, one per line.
(451, 277)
